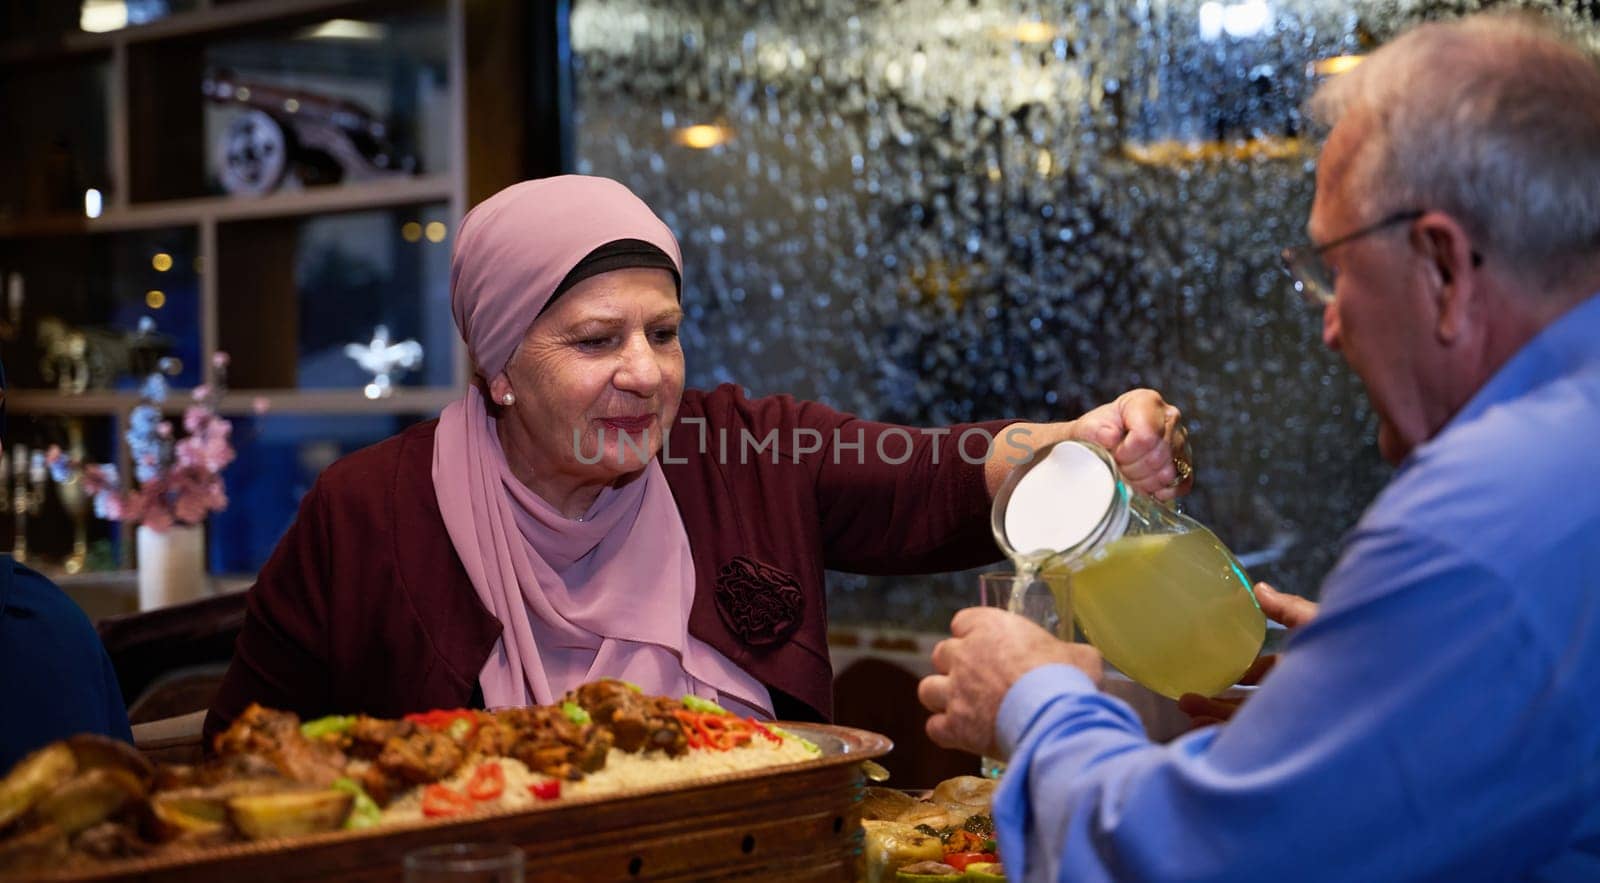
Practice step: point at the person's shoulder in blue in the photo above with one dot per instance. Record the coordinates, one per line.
(58, 678)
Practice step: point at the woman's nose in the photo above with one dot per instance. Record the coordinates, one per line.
(639, 371)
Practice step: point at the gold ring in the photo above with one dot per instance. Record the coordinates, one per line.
(1185, 471)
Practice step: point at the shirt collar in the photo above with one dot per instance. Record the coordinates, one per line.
(1554, 352)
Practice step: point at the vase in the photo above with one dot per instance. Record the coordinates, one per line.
(172, 565)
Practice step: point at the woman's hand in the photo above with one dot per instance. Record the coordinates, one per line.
(1147, 438)
(1144, 434)
(1290, 611)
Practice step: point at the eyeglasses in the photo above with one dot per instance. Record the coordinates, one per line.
(1309, 272)
(1312, 278)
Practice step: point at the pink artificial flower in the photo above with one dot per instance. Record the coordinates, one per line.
(194, 417)
(132, 506)
(190, 453)
(215, 496)
(217, 453)
(185, 484)
(157, 518)
(190, 506)
(179, 477)
(260, 405)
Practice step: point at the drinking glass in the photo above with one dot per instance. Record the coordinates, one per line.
(1044, 598)
(465, 863)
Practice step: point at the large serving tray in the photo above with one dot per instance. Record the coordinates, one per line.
(800, 821)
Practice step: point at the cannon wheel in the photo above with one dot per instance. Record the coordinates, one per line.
(253, 153)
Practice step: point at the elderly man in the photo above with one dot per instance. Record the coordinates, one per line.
(1437, 718)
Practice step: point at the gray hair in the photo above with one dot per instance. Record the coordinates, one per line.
(1492, 119)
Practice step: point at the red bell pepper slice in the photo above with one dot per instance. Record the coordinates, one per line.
(723, 732)
(549, 789)
(719, 732)
(692, 731)
(762, 729)
(488, 782)
(458, 723)
(439, 801)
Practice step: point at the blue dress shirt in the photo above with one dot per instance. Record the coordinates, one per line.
(57, 679)
(1438, 720)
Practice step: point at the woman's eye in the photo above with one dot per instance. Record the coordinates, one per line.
(664, 335)
(594, 343)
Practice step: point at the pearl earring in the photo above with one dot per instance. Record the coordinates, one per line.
(508, 399)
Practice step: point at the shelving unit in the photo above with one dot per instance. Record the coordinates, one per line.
(152, 164)
(211, 210)
(238, 402)
(210, 19)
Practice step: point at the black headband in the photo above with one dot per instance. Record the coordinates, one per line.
(619, 254)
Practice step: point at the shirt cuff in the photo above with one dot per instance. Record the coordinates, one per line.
(1028, 696)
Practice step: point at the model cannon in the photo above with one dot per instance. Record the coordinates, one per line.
(278, 131)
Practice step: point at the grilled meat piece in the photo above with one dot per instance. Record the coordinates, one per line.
(637, 722)
(630, 729)
(592, 756)
(550, 758)
(604, 698)
(547, 741)
(368, 735)
(422, 757)
(666, 734)
(380, 784)
(275, 735)
(493, 738)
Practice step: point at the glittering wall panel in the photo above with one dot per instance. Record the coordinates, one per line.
(942, 210)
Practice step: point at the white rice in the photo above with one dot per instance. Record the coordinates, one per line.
(623, 771)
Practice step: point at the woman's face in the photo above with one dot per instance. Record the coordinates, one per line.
(597, 379)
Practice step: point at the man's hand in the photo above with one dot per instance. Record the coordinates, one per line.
(1291, 611)
(1144, 434)
(989, 649)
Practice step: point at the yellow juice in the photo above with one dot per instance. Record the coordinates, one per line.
(1172, 611)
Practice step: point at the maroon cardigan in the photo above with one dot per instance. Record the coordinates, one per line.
(364, 606)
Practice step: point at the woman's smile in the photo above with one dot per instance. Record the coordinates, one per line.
(629, 425)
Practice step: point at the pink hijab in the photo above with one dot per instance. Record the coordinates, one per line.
(608, 595)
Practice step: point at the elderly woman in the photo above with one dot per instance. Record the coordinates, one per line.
(579, 513)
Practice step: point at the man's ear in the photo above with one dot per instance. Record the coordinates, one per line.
(1450, 269)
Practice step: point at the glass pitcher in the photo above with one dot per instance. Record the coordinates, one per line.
(1155, 591)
